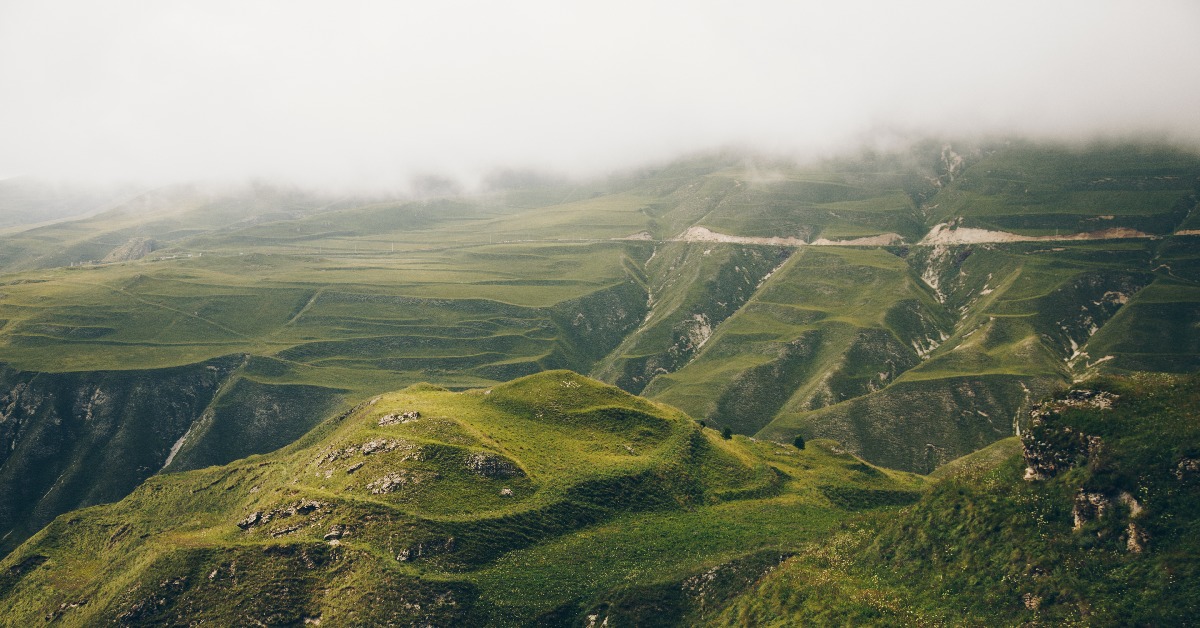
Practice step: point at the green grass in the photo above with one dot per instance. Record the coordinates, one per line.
(988, 547)
(335, 299)
(608, 491)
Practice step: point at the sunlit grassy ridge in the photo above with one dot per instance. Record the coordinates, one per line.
(538, 498)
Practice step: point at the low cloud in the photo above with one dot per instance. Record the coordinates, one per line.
(379, 93)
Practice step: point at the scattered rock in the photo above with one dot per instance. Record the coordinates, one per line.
(506, 492)
(395, 481)
(1187, 469)
(251, 520)
(399, 418)
(335, 532)
(354, 467)
(425, 548)
(490, 465)
(285, 530)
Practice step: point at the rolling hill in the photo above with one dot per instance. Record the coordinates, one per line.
(909, 305)
(532, 501)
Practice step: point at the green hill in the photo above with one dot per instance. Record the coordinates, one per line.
(535, 500)
(1091, 519)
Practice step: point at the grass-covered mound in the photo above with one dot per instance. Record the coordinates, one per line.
(543, 499)
(1092, 518)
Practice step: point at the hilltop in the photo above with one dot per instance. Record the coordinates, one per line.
(539, 500)
(558, 500)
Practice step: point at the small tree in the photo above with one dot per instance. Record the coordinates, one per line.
(727, 433)
(798, 442)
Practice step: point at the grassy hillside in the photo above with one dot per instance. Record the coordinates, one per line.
(909, 354)
(1109, 538)
(537, 500)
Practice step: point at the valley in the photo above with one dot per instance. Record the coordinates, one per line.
(191, 356)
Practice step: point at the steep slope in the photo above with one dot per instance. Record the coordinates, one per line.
(543, 497)
(69, 440)
(1091, 519)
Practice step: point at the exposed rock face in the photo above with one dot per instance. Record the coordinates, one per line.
(335, 532)
(1050, 448)
(1090, 506)
(124, 422)
(381, 445)
(490, 465)
(1095, 399)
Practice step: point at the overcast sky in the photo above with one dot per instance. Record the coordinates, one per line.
(373, 92)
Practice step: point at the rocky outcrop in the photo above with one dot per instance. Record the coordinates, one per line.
(69, 440)
(490, 465)
(303, 508)
(1187, 469)
(1089, 506)
(1050, 448)
(399, 418)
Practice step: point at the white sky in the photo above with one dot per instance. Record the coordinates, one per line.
(357, 92)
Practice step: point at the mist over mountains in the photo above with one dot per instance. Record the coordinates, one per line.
(620, 314)
(377, 94)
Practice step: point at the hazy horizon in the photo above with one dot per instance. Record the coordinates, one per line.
(372, 95)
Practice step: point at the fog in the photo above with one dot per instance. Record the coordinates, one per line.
(376, 93)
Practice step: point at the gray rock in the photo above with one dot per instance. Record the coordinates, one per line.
(251, 520)
(399, 418)
(490, 465)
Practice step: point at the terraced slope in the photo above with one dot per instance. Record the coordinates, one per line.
(546, 497)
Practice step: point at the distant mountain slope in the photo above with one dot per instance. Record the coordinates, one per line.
(534, 501)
